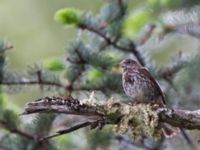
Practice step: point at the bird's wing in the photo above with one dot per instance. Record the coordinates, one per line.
(128, 77)
(146, 73)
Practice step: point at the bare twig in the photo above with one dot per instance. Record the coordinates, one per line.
(188, 139)
(33, 82)
(65, 131)
(148, 34)
(82, 62)
(170, 71)
(39, 75)
(16, 130)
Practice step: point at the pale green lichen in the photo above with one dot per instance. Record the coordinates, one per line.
(114, 111)
(140, 119)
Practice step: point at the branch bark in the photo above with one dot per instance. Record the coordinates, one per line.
(61, 105)
(178, 118)
(181, 118)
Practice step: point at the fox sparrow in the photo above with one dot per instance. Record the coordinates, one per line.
(139, 84)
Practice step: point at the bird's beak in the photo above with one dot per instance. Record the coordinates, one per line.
(122, 64)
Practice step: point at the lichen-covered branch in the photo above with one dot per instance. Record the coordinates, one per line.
(61, 105)
(141, 119)
(181, 118)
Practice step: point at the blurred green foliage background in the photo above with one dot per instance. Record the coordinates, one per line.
(38, 39)
(30, 27)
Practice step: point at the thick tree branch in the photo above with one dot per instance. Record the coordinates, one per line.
(141, 117)
(178, 118)
(181, 118)
(61, 105)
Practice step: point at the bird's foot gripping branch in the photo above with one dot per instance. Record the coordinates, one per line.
(140, 119)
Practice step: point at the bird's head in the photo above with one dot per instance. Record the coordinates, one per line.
(129, 63)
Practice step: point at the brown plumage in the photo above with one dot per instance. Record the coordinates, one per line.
(139, 84)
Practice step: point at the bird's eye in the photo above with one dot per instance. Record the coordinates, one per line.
(129, 61)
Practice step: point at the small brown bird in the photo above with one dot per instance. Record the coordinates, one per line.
(139, 84)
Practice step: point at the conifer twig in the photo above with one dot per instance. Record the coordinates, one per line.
(131, 48)
(16, 130)
(70, 86)
(148, 34)
(32, 82)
